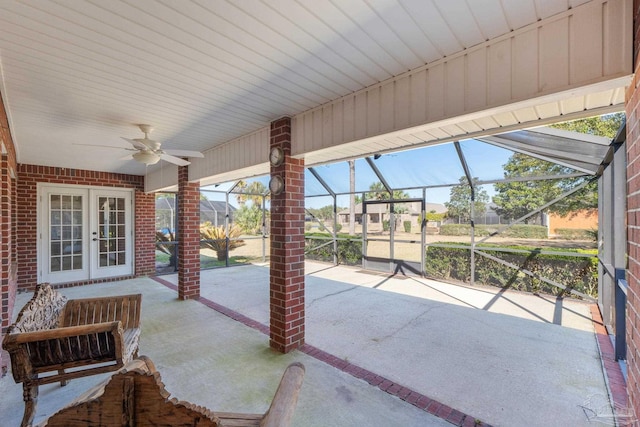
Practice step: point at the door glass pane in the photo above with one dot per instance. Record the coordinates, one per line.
(65, 216)
(111, 220)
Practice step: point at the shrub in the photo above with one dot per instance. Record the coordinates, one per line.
(308, 226)
(521, 231)
(385, 225)
(407, 226)
(166, 243)
(338, 228)
(349, 251)
(576, 234)
(216, 238)
(580, 274)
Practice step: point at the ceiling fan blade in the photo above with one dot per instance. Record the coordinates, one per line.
(173, 159)
(184, 153)
(137, 144)
(128, 156)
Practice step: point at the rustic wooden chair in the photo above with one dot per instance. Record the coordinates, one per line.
(136, 396)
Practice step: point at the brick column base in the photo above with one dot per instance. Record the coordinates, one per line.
(287, 247)
(188, 236)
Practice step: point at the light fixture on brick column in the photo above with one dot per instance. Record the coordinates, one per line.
(276, 158)
(276, 185)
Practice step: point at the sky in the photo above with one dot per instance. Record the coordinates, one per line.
(426, 166)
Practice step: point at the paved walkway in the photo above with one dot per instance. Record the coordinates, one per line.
(505, 358)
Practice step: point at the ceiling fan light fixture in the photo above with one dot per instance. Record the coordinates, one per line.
(146, 157)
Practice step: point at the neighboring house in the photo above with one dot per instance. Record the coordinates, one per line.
(212, 211)
(379, 212)
(490, 216)
(581, 220)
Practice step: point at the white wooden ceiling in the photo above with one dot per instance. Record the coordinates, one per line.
(205, 72)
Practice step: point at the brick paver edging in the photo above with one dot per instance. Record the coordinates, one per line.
(416, 399)
(613, 374)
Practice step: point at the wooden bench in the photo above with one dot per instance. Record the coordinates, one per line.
(135, 396)
(55, 340)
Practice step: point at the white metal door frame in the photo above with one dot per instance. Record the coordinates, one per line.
(67, 250)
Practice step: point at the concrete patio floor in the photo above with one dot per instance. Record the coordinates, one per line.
(505, 358)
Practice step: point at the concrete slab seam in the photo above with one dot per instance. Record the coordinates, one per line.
(412, 397)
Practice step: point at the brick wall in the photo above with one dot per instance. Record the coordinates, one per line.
(28, 178)
(8, 216)
(188, 236)
(287, 327)
(633, 224)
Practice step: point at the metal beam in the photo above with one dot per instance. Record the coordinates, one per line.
(472, 210)
(384, 182)
(322, 181)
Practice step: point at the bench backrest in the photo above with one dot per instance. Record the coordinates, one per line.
(86, 311)
(41, 312)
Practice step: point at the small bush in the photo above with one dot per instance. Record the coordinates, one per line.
(308, 226)
(576, 234)
(338, 228)
(407, 226)
(580, 274)
(385, 225)
(520, 231)
(216, 238)
(349, 251)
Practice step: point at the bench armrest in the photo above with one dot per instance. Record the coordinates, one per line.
(54, 350)
(66, 332)
(284, 401)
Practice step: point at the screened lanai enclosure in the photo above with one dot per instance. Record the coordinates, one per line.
(539, 210)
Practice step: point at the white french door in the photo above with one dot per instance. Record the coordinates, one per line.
(85, 233)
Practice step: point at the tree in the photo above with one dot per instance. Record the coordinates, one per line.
(606, 125)
(324, 213)
(516, 199)
(254, 193)
(378, 192)
(459, 204)
(249, 218)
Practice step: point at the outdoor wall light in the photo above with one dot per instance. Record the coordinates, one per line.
(276, 185)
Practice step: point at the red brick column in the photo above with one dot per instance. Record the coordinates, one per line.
(188, 236)
(145, 230)
(632, 107)
(287, 247)
(8, 231)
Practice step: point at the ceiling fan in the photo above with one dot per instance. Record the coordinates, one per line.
(149, 152)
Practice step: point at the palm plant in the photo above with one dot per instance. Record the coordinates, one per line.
(217, 239)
